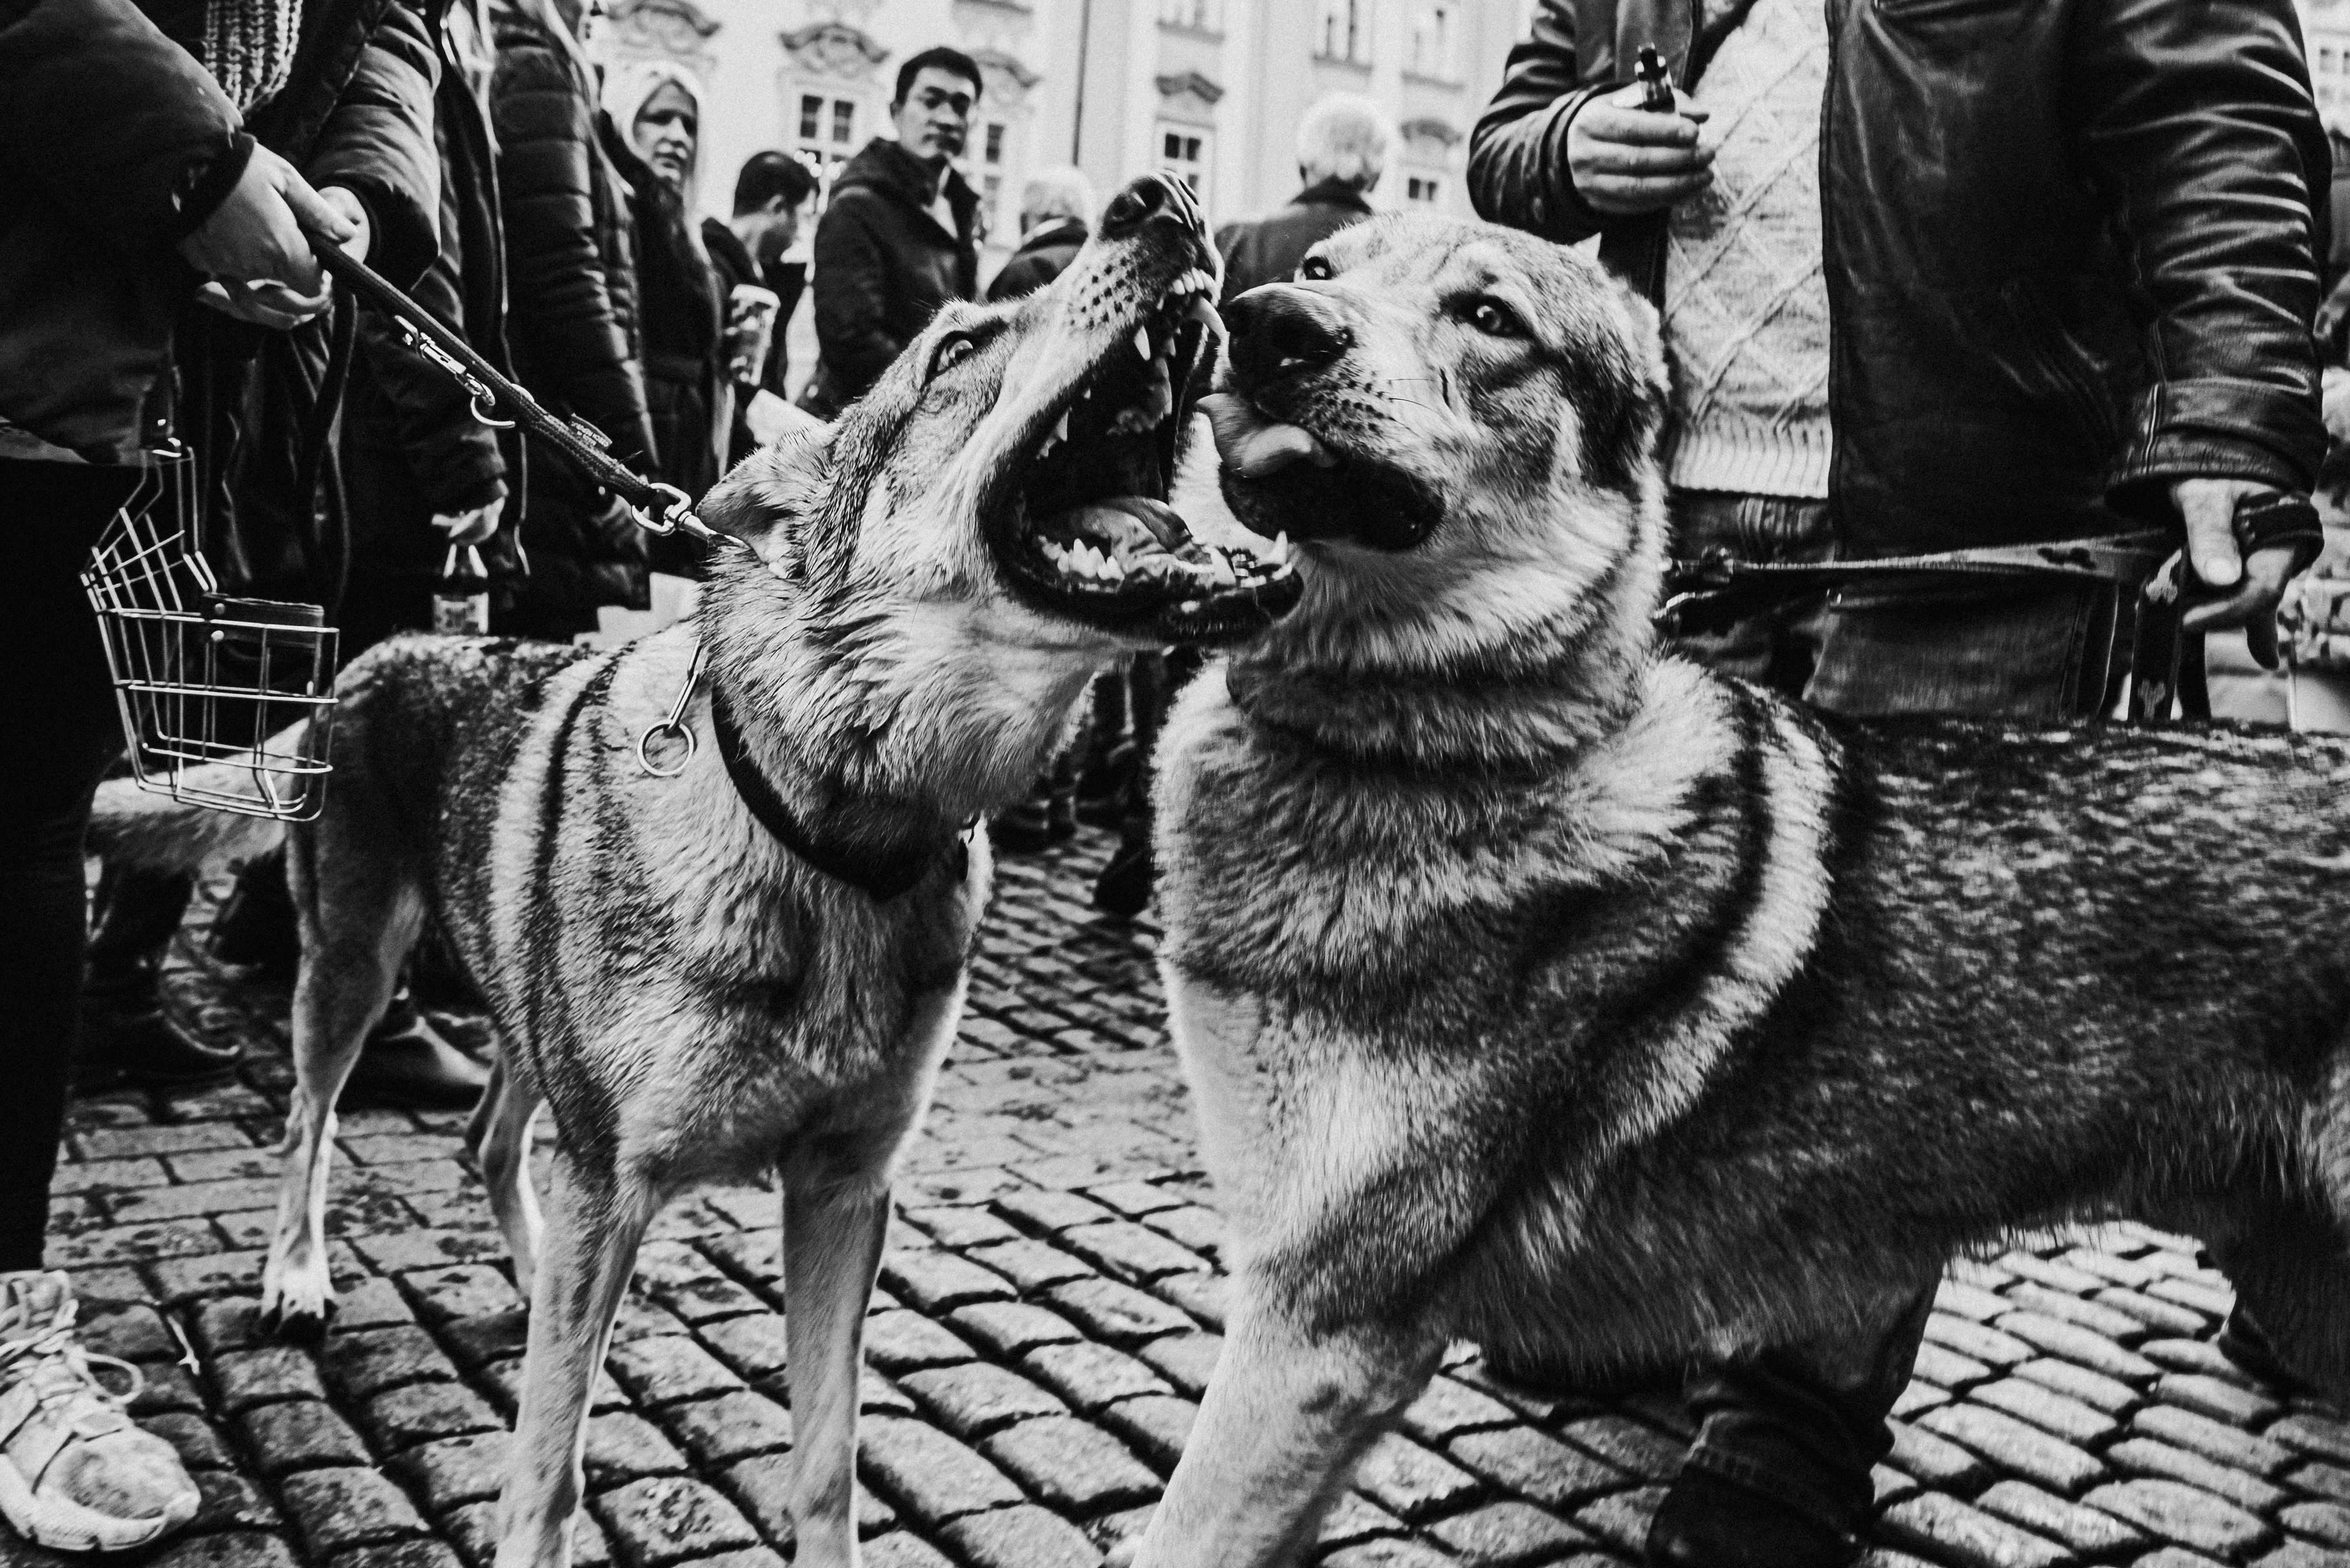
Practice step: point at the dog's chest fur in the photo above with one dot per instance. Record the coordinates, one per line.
(1442, 1028)
(684, 991)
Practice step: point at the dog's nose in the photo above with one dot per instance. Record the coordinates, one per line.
(1162, 197)
(1280, 328)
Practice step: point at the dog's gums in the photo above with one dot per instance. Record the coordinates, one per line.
(1089, 534)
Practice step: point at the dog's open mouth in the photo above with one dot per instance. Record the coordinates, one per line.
(1089, 534)
(1285, 482)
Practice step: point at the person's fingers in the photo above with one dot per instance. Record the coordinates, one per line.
(1628, 158)
(1620, 196)
(2252, 606)
(1636, 126)
(2210, 511)
(314, 212)
(292, 303)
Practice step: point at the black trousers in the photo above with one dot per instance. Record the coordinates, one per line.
(57, 715)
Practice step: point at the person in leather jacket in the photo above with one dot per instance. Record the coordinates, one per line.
(1932, 276)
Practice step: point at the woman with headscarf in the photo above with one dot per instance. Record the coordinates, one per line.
(653, 117)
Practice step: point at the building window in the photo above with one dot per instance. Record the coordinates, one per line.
(1424, 189)
(1434, 24)
(828, 134)
(1345, 31)
(1200, 15)
(1184, 152)
(992, 137)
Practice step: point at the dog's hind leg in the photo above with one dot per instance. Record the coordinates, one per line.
(353, 942)
(2292, 1273)
(1289, 1411)
(499, 1136)
(833, 1227)
(592, 1236)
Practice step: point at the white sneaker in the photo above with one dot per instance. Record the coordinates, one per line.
(76, 1474)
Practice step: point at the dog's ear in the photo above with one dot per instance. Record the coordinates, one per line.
(764, 500)
(862, 440)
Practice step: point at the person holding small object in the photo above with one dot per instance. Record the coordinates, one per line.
(748, 250)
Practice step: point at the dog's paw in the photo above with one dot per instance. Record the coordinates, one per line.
(299, 1325)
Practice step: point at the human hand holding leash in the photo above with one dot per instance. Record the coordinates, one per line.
(252, 249)
(2249, 583)
(1625, 160)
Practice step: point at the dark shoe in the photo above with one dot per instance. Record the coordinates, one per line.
(131, 1040)
(1709, 1522)
(1021, 829)
(1124, 887)
(256, 927)
(2242, 1340)
(1061, 817)
(1104, 791)
(408, 1064)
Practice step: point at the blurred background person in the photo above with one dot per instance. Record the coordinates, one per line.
(573, 330)
(771, 198)
(655, 108)
(1056, 216)
(1343, 145)
(899, 237)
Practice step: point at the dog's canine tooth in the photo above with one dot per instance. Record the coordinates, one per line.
(1142, 342)
(1204, 312)
(1279, 554)
(1061, 430)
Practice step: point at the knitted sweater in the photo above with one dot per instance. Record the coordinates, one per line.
(1746, 310)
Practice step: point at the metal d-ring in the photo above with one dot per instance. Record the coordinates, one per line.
(674, 724)
(483, 406)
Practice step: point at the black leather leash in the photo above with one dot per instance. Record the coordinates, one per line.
(883, 872)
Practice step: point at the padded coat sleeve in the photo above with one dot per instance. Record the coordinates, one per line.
(104, 113)
(562, 322)
(852, 308)
(1517, 154)
(378, 143)
(2204, 140)
(455, 456)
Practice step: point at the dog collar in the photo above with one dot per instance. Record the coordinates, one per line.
(880, 869)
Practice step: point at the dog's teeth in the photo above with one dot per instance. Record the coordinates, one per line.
(1279, 554)
(1061, 430)
(1142, 342)
(1200, 311)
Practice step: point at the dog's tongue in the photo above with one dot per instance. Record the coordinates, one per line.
(1253, 446)
(1127, 525)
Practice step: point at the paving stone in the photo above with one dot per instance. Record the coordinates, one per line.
(2198, 1356)
(227, 1500)
(1155, 1425)
(1195, 1226)
(2090, 1389)
(1387, 1554)
(301, 1435)
(1445, 1409)
(250, 1378)
(1031, 1264)
(898, 1341)
(1622, 1518)
(1044, 1211)
(242, 1549)
(928, 1474)
(1411, 1482)
(755, 1347)
(670, 1519)
(1131, 1251)
(2172, 1510)
(1945, 1529)
(1203, 1296)
(400, 1554)
(345, 1508)
(2215, 1441)
(2300, 1554)
(1947, 1369)
(1975, 1342)
(2325, 1523)
(472, 1290)
(2073, 1343)
(979, 1397)
(362, 1364)
(2013, 1445)
(731, 1427)
(477, 1341)
(1089, 1377)
(962, 1227)
(1889, 1486)
(2087, 1530)
(456, 1471)
(1507, 1535)
(1012, 1329)
(424, 1250)
(2324, 1480)
(1968, 1301)
(2314, 1436)
(902, 1548)
(1070, 1466)
(666, 1368)
(1120, 1313)
(623, 1446)
(2221, 1401)
(2172, 1557)
(1626, 1444)
(2069, 1418)
(762, 1488)
(1935, 1460)
(1022, 1537)
(1136, 1198)
(1538, 1466)
(937, 1281)
(2161, 1317)
(425, 1412)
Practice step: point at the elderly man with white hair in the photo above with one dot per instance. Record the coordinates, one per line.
(1342, 150)
(1057, 214)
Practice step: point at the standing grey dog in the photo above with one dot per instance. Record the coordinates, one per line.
(1538, 988)
(757, 963)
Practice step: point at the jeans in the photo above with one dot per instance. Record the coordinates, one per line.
(56, 709)
(1802, 1422)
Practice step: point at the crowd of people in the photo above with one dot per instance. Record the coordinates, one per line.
(2100, 287)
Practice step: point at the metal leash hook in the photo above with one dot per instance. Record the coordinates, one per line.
(674, 725)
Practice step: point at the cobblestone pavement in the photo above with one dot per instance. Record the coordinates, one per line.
(1047, 1318)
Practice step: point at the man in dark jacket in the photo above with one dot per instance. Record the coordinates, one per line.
(770, 192)
(899, 238)
(2015, 289)
(1342, 150)
(1057, 211)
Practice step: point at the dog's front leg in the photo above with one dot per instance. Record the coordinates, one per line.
(1289, 1411)
(832, 1249)
(591, 1241)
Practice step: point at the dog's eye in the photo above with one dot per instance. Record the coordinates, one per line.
(1316, 269)
(953, 351)
(1493, 318)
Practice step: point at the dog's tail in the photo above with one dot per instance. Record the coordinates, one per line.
(136, 829)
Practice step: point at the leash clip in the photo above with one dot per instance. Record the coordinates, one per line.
(674, 724)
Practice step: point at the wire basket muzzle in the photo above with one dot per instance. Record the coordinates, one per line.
(226, 703)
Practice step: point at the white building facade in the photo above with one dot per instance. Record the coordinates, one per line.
(1212, 88)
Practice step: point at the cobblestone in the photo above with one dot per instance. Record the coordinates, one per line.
(1048, 1319)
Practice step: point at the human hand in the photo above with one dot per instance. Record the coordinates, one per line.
(355, 213)
(1625, 160)
(2251, 588)
(254, 252)
(468, 527)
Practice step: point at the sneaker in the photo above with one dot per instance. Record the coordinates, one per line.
(76, 1473)
(1706, 1521)
(1022, 828)
(408, 1064)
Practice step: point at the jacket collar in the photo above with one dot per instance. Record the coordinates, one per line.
(886, 165)
(1331, 192)
(1057, 232)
